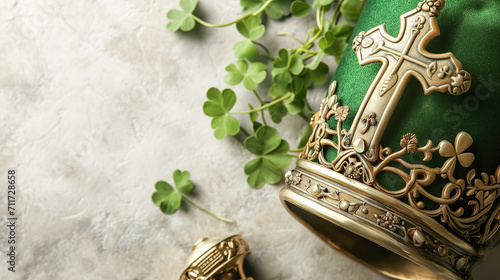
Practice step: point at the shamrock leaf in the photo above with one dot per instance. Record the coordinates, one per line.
(351, 9)
(255, 126)
(296, 103)
(277, 112)
(251, 76)
(246, 49)
(317, 59)
(272, 155)
(318, 75)
(183, 18)
(166, 197)
(182, 182)
(285, 65)
(251, 27)
(277, 90)
(333, 45)
(319, 3)
(276, 10)
(300, 8)
(343, 30)
(218, 106)
(169, 199)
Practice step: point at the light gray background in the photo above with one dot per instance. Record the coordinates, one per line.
(98, 102)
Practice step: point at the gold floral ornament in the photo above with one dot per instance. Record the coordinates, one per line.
(358, 40)
(433, 7)
(409, 142)
(341, 113)
(480, 194)
(468, 207)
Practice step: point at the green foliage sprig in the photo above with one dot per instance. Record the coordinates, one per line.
(169, 199)
(293, 71)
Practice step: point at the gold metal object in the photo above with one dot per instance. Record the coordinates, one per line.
(217, 259)
(343, 202)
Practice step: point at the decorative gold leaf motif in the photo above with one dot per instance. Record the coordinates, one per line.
(481, 194)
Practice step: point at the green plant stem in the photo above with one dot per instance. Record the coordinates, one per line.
(308, 56)
(284, 97)
(291, 36)
(295, 150)
(311, 52)
(269, 55)
(294, 156)
(262, 8)
(261, 104)
(206, 211)
(319, 18)
(336, 14)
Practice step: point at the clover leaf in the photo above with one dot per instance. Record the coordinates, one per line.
(251, 27)
(272, 155)
(251, 75)
(246, 49)
(296, 103)
(277, 112)
(276, 10)
(284, 66)
(335, 41)
(300, 8)
(319, 75)
(319, 3)
(183, 18)
(218, 106)
(167, 197)
(182, 182)
(351, 9)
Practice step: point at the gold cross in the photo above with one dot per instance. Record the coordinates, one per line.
(401, 58)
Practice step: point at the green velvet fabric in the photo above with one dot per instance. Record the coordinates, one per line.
(470, 29)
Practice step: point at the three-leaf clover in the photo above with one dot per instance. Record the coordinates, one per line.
(275, 10)
(252, 28)
(218, 106)
(169, 199)
(183, 18)
(272, 155)
(334, 41)
(251, 75)
(284, 66)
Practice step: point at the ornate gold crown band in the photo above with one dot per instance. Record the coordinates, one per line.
(429, 236)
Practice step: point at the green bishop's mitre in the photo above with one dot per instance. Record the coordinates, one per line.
(402, 170)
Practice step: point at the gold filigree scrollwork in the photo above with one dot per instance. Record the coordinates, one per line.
(481, 195)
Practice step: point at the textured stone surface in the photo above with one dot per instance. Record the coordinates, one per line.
(98, 102)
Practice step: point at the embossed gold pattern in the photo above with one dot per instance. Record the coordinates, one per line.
(480, 194)
(467, 210)
(217, 259)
